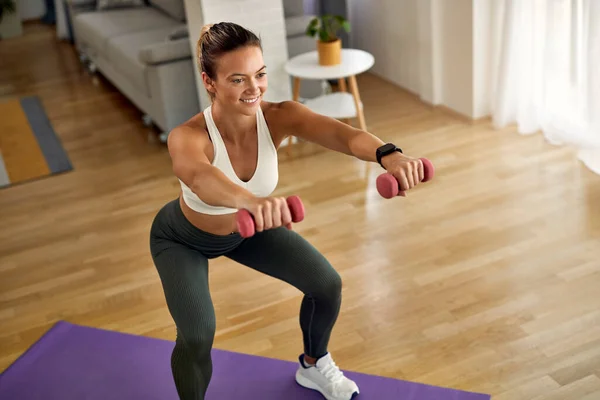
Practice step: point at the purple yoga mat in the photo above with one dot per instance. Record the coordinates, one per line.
(73, 362)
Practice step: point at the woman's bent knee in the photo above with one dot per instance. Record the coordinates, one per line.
(335, 283)
(329, 286)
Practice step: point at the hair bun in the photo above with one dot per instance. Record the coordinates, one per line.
(205, 30)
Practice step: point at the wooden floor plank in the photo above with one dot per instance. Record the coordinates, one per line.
(484, 279)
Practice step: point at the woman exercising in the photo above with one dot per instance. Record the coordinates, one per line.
(226, 160)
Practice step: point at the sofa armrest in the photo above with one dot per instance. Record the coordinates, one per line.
(167, 51)
(75, 7)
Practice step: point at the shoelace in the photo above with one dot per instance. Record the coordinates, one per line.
(332, 372)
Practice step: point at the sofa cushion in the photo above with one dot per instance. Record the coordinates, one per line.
(123, 53)
(174, 8)
(96, 28)
(295, 26)
(179, 33)
(165, 52)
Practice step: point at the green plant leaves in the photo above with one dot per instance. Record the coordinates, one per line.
(326, 27)
(343, 23)
(8, 7)
(313, 27)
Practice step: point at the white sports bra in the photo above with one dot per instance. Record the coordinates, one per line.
(262, 183)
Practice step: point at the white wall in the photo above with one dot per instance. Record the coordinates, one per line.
(264, 18)
(482, 61)
(436, 49)
(456, 43)
(389, 30)
(429, 87)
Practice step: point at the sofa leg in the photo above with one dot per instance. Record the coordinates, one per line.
(83, 58)
(147, 120)
(163, 137)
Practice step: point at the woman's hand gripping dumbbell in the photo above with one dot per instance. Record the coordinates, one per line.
(388, 186)
(267, 213)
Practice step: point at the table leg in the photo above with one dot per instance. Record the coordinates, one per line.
(356, 95)
(296, 89)
(296, 97)
(343, 88)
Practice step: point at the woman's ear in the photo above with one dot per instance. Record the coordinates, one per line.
(208, 83)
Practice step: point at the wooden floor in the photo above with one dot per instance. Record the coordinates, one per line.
(485, 279)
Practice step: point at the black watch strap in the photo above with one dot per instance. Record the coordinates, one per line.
(384, 150)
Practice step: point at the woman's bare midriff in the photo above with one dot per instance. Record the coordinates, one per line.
(215, 224)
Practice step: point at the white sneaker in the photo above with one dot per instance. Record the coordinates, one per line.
(326, 378)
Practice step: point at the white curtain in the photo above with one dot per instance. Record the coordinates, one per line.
(546, 71)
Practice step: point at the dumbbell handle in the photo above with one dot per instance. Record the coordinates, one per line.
(245, 221)
(387, 184)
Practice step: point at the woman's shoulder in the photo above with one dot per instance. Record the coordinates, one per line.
(280, 107)
(282, 115)
(279, 117)
(190, 133)
(193, 126)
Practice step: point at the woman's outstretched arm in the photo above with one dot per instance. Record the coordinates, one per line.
(298, 120)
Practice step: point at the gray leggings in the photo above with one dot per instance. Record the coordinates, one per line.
(181, 253)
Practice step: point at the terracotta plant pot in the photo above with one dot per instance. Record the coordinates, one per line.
(330, 53)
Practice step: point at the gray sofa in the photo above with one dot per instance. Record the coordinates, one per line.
(145, 52)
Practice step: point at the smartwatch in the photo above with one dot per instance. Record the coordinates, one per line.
(384, 150)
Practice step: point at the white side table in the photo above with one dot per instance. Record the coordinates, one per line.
(340, 105)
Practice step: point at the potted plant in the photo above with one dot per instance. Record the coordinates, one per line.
(7, 6)
(329, 45)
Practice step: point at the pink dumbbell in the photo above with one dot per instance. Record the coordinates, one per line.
(245, 221)
(388, 187)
